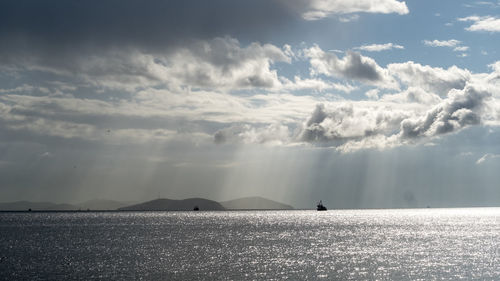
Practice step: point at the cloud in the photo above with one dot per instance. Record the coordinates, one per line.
(396, 120)
(214, 89)
(372, 94)
(222, 63)
(352, 66)
(273, 134)
(62, 27)
(487, 156)
(217, 63)
(495, 67)
(318, 9)
(314, 84)
(444, 43)
(49, 28)
(349, 18)
(432, 79)
(189, 115)
(152, 115)
(379, 47)
(486, 23)
(482, 3)
(462, 108)
(412, 95)
(452, 43)
(343, 124)
(461, 49)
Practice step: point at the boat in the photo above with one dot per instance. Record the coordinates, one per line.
(196, 208)
(320, 206)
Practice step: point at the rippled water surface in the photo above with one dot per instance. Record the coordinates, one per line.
(449, 244)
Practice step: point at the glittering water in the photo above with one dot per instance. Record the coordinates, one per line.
(449, 244)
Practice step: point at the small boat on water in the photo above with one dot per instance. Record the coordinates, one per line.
(320, 206)
(196, 208)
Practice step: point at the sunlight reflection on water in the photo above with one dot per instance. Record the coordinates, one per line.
(410, 244)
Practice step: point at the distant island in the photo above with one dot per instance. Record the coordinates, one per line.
(246, 203)
(175, 205)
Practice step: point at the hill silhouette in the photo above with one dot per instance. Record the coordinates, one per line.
(254, 203)
(102, 204)
(175, 205)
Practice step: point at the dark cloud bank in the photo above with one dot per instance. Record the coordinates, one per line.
(60, 24)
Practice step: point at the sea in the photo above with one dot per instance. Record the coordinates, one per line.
(396, 244)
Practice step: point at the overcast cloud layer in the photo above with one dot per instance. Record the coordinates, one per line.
(157, 81)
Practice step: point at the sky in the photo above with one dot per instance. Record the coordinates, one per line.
(361, 104)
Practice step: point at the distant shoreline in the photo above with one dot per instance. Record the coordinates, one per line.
(240, 210)
(133, 211)
(160, 204)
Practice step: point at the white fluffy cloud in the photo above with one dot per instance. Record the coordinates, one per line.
(412, 95)
(487, 23)
(372, 94)
(351, 121)
(461, 48)
(352, 66)
(437, 102)
(394, 122)
(317, 9)
(452, 43)
(433, 79)
(379, 47)
(442, 43)
(462, 108)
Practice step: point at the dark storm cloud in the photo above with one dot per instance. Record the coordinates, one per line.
(125, 45)
(53, 26)
(61, 24)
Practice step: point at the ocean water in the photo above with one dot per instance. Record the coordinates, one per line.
(409, 244)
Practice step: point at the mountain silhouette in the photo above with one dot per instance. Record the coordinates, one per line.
(175, 205)
(102, 204)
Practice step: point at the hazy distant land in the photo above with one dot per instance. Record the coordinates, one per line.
(247, 203)
(25, 205)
